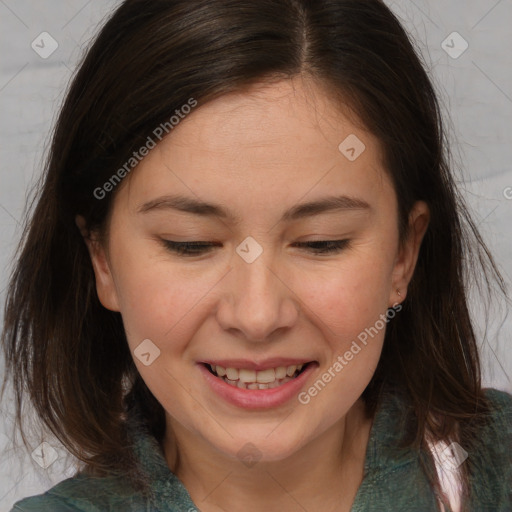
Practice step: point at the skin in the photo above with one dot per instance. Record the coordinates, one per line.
(259, 153)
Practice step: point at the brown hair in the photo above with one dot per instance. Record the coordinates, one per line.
(70, 353)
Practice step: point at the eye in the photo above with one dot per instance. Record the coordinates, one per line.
(325, 246)
(198, 248)
(189, 248)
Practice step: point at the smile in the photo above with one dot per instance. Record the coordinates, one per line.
(251, 379)
(264, 386)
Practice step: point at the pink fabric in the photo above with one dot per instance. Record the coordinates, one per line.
(448, 458)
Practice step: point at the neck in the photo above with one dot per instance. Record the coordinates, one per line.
(323, 475)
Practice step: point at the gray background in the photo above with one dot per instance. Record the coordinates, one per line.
(475, 88)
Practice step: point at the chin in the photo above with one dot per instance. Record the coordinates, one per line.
(251, 449)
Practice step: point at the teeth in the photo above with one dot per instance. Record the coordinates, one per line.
(251, 379)
(232, 373)
(281, 372)
(247, 375)
(265, 376)
(291, 370)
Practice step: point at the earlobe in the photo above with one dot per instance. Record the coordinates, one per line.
(105, 285)
(405, 264)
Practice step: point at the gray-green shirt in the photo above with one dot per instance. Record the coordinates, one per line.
(393, 478)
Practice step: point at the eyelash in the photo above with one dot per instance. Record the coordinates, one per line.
(317, 246)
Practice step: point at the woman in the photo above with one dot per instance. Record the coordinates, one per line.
(243, 286)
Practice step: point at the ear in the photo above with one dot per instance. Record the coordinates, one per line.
(105, 286)
(405, 262)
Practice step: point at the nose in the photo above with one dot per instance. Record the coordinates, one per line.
(258, 302)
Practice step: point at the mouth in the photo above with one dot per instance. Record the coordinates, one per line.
(244, 378)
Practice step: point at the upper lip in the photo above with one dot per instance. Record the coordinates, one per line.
(259, 365)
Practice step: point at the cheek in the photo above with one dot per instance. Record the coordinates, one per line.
(350, 309)
(161, 299)
(154, 295)
(347, 297)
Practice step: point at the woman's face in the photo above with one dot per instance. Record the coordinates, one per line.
(269, 161)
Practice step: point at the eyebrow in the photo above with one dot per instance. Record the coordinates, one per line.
(300, 211)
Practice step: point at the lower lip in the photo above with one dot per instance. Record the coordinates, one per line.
(257, 398)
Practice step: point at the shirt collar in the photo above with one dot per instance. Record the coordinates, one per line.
(167, 490)
(383, 453)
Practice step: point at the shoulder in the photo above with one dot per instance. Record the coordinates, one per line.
(501, 400)
(496, 438)
(494, 448)
(86, 494)
(491, 457)
(500, 418)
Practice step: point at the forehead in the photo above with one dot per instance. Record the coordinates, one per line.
(274, 142)
(297, 113)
